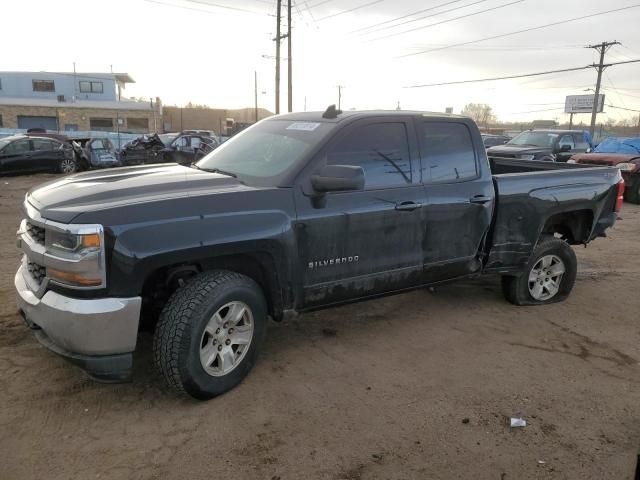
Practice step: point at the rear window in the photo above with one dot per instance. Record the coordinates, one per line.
(448, 153)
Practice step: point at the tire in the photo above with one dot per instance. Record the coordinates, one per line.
(632, 193)
(67, 166)
(196, 322)
(553, 255)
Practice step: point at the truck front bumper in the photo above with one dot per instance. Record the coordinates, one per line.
(99, 335)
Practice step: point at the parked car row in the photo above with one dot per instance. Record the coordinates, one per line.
(49, 152)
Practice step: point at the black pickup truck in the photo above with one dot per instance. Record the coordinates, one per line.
(298, 212)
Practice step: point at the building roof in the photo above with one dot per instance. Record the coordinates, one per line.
(119, 76)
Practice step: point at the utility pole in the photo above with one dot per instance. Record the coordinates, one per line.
(277, 40)
(602, 49)
(289, 65)
(339, 96)
(255, 92)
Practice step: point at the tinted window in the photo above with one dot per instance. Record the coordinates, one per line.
(381, 149)
(567, 140)
(39, 144)
(449, 151)
(19, 146)
(581, 143)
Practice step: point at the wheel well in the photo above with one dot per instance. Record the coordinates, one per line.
(161, 283)
(574, 226)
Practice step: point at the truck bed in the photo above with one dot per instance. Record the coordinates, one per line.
(528, 191)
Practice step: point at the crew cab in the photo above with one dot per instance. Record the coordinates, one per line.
(543, 145)
(622, 153)
(298, 212)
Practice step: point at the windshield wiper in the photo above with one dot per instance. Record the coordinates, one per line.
(215, 170)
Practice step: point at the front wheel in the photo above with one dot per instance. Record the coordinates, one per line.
(549, 276)
(209, 333)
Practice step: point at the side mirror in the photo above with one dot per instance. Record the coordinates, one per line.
(338, 178)
(565, 148)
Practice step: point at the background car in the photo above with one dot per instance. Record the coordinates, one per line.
(544, 145)
(29, 154)
(187, 148)
(95, 153)
(494, 140)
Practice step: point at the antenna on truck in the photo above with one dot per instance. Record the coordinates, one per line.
(331, 112)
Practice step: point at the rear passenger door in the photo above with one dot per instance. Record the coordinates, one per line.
(460, 197)
(361, 243)
(47, 154)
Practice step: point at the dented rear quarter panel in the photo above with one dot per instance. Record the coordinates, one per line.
(527, 200)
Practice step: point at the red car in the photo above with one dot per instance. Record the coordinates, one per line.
(629, 165)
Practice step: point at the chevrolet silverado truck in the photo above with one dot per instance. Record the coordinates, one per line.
(543, 145)
(298, 212)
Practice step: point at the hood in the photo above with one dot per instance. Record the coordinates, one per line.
(512, 151)
(604, 158)
(63, 200)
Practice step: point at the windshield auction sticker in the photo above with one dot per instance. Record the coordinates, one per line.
(304, 126)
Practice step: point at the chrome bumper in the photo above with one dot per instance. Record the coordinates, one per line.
(104, 326)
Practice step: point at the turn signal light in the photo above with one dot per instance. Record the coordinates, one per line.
(620, 197)
(73, 278)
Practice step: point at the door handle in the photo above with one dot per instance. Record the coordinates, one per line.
(408, 206)
(480, 199)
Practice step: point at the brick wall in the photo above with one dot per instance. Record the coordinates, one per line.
(82, 116)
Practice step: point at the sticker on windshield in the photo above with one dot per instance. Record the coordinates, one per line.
(304, 126)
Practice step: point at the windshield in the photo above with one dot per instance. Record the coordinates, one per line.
(267, 149)
(3, 143)
(534, 139)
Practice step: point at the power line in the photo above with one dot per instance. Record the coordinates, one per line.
(539, 27)
(219, 5)
(509, 77)
(413, 14)
(621, 108)
(350, 10)
(536, 111)
(449, 20)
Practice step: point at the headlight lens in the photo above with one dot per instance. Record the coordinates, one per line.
(76, 257)
(526, 157)
(626, 167)
(571, 160)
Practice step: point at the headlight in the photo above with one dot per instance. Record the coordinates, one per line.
(626, 167)
(571, 160)
(526, 157)
(75, 257)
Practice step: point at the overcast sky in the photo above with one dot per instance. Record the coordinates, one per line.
(195, 51)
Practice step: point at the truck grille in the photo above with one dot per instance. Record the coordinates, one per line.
(38, 272)
(35, 232)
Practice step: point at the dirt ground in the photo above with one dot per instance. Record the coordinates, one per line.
(419, 385)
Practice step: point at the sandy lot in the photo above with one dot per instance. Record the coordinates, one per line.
(418, 385)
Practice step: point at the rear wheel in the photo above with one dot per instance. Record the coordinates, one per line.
(549, 276)
(67, 166)
(209, 333)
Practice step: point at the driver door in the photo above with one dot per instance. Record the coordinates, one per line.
(16, 157)
(361, 243)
